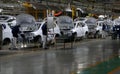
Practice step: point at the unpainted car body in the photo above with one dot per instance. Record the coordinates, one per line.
(65, 25)
(6, 33)
(11, 20)
(80, 29)
(34, 32)
(94, 26)
(31, 29)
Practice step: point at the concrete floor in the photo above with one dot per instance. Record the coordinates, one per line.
(97, 56)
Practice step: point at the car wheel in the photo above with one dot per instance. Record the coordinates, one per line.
(97, 34)
(86, 35)
(39, 39)
(6, 41)
(114, 36)
(57, 35)
(75, 36)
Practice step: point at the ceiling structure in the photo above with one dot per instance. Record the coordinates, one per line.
(92, 6)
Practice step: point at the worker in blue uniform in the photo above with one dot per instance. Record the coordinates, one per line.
(116, 32)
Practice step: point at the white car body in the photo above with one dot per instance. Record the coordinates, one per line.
(11, 20)
(55, 30)
(6, 32)
(99, 26)
(39, 32)
(93, 24)
(80, 28)
(34, 32)
(116, 21)
(62, 27)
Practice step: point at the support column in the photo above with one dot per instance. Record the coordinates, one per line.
(0, 37)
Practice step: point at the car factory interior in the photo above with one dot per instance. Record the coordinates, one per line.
(59, 36)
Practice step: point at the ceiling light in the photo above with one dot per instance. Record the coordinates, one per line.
(1, 10)
(68, 9)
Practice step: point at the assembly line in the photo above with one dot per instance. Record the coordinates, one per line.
(59, 37)
(63, 26)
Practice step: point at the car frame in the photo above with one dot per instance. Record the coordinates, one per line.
(36, 35)
(6, 33)
(11, 20)
(80, 29)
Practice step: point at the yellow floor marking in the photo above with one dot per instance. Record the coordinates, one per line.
(115, 70)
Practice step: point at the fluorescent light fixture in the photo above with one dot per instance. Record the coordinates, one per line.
(68, 9)
(1, 10)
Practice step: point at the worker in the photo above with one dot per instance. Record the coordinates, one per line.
(116, 32)
(104, 30)
(16, 33)
(44, 32)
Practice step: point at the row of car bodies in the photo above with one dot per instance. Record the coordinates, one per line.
(62, 26)
(65, 26)
(92, 26)
(95, 25)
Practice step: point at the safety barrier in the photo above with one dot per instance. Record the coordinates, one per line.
(65, 39)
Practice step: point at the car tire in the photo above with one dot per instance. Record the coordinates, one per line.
(38, 39)
(75, 35)
(86, 35)
(6, 41)
(97, 34)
